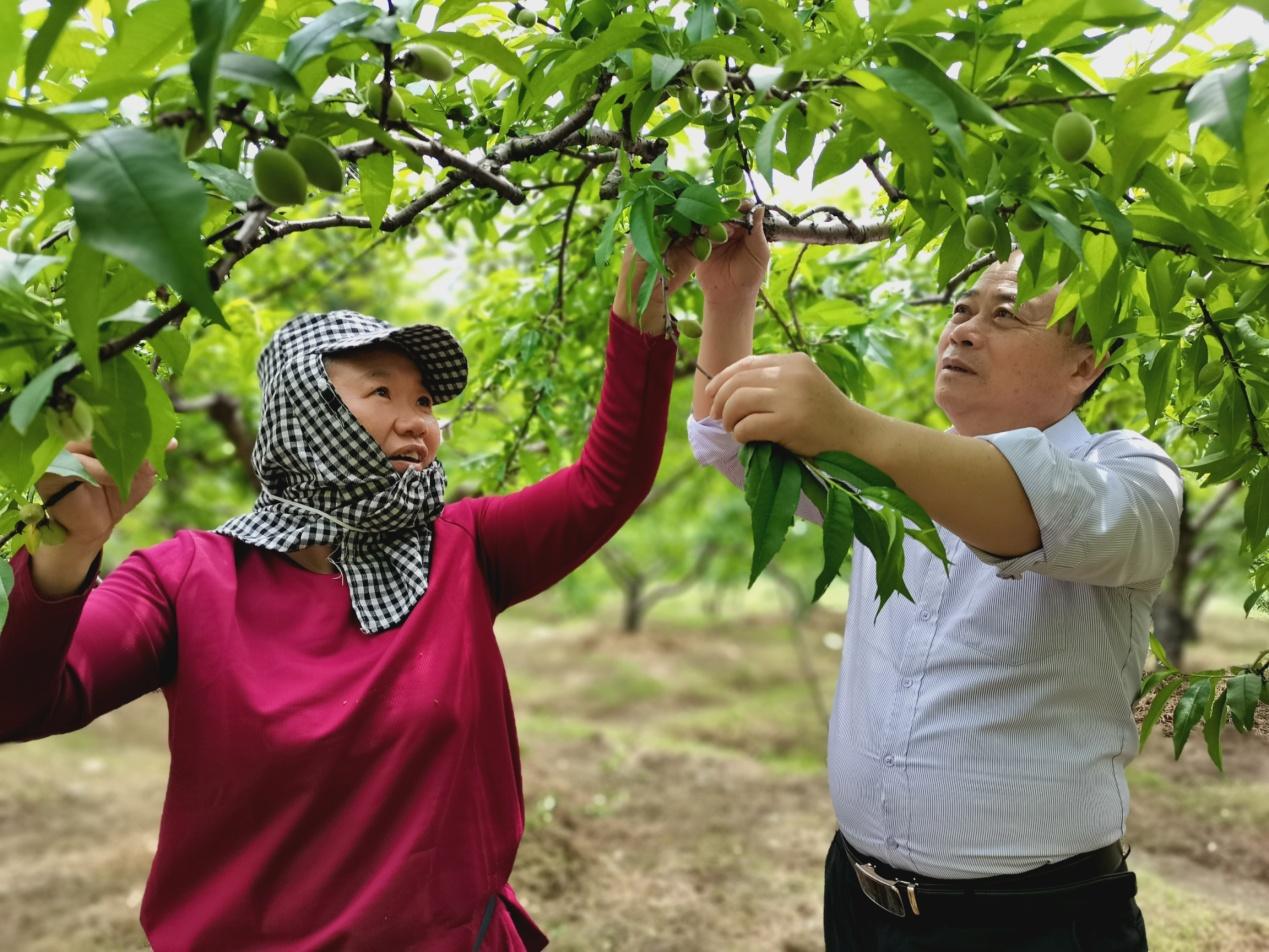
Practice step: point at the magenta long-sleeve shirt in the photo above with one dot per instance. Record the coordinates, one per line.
(330, 790)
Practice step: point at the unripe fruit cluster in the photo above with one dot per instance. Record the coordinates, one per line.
(283, 177)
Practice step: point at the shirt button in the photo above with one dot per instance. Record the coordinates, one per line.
(925, 615)
(891, 842)
(907, 682)
(889, 760)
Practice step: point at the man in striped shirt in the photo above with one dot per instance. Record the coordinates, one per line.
(980, 731)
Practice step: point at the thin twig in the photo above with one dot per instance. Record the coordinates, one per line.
(1215, 330)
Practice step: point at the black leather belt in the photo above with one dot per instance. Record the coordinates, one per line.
(1096, 876)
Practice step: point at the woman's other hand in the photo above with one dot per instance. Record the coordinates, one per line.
(89, 515)
(681, 264)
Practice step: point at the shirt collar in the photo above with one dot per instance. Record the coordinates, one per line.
(1067, 433)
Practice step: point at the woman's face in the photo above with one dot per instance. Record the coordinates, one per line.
(384, 390)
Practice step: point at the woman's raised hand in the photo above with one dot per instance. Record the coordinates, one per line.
(89, 515)
(681, 264)
(735, 270)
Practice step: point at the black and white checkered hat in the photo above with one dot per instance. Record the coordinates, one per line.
(438, 355)
(324, 479)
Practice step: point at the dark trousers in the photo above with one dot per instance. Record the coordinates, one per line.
(852, 923)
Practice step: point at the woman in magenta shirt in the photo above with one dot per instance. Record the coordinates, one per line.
(344, 766)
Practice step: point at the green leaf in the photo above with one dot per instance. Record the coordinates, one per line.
(1212, 731)
(764, 148)
(315, 37)
(233, 185)
(121, 436)
(59, 14)
(844, 466)
(1244, 692)
(258, 71)
(161, 415)
(1160, 655)
(172, 347)
(1149, 683)
(487, 49)
(892, 119)
(1067, 233)
(6, 586)
(1256, 508)
(701, 24)
(700, 204)
(969, 106)
(620, 34)
(1188, 712)
(375, 172)
(645, 233)
(212, 21)
(67, 464)
(1219, 102)
(756, 458)
(26, 405)
(1141, 120)
(839, 530)
(1156, 709)
(664, 69)
(778, 502)
(153, 31)
(1118, 224)
(82, 287)
(930, 99)
(607, 236)
(136, 200)
(1158, 377)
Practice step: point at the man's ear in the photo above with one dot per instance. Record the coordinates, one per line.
(1088, 368)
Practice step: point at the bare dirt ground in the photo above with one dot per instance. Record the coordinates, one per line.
(675, 797)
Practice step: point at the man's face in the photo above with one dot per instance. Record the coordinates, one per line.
(1000, 366)
(385, 392)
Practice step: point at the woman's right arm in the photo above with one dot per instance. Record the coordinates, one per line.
(70, 652)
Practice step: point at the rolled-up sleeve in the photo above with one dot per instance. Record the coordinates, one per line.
(1111, 518)
(714, 446)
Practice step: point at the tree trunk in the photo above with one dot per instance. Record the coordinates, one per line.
(632, 607)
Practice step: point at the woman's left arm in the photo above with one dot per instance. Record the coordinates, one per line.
(530, 539)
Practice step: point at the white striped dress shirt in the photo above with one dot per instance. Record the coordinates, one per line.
(983, 728)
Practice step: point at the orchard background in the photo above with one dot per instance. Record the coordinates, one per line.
(475, 165)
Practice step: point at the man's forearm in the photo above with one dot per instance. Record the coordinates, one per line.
(965, 484)
(727, 337)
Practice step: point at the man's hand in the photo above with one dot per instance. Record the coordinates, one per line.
(679, 261)
(736, 269)
(785, 399)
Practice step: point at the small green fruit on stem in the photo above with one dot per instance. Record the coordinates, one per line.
(701, 247)
(1196, 285)
(717, 234)
(690, 327)
(52, 533)
(320, 162)
(428, 62)
(31, 513)
(279, 178)
(527, 18)
(1073, 136)
(374, 103)
(980, 232)
(709, 75)
(1026, 219)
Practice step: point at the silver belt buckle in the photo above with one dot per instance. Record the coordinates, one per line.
(885, 892)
